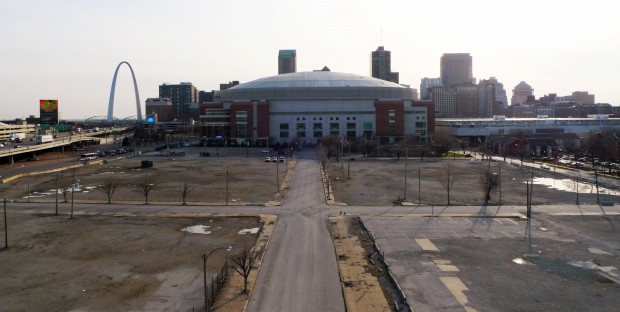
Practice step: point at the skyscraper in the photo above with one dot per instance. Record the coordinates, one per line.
(180, 94)
(520, 93)
(381, 62)
(287, 61)
(427, 83)
(456, 68)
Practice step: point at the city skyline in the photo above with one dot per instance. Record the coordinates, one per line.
(68, 50)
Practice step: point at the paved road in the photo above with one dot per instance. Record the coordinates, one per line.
(299, 271)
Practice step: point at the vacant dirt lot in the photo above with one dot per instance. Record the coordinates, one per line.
(382, 182)
(106, 263)
(247, 180)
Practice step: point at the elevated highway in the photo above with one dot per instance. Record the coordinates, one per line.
(10, 150)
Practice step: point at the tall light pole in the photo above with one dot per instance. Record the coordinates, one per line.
(405, 190)
(204, 261)
(277, 177)
(56, 210)
(72, 192)
(226, 185)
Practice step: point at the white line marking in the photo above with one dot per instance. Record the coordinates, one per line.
(515, 223)
(507, 234)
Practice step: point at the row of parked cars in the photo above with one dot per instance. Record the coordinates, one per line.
(119, 151)
(275, 159)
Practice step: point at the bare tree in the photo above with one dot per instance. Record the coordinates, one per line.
(144, 186)
(487, 182)
(64, 186)
(243, 264)
(447, 177)
(109, 186)
(369, 148)
(185, 190)
(442, 140)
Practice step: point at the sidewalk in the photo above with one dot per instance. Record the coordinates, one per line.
(360, 288)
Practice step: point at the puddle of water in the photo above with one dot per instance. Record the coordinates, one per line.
(569, 185)
(197, 229)
(249, 231)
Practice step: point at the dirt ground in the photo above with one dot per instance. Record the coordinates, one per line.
(107, 263)
(248, 180)
(381, 182)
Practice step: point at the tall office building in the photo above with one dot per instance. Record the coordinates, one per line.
(180, 94)
(381, 63)
(162, 107)
(456, 68)
(427, 83)
(520, 93)
(287, 61)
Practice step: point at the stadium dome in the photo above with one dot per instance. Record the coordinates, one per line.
(317, 85)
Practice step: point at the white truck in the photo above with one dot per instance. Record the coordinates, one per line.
(17, 137)
(46, 138)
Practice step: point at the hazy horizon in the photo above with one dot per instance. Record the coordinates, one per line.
(68, 50)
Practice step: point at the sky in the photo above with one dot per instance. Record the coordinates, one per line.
(69, 49)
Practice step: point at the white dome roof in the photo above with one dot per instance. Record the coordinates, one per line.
(317, 79)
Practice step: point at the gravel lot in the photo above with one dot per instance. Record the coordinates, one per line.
(381, 182)
(97, 263)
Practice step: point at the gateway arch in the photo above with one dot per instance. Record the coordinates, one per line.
(135, 87)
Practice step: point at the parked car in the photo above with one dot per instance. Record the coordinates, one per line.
(265, 150)
(268, 159)
(282, 158)
(545, 167)
(274, 159)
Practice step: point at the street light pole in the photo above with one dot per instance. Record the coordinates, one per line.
(56, 210)
(204, 262)
(405, 190)
(72, 192)
(226, 185)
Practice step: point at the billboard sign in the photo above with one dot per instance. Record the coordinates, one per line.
(49, 111)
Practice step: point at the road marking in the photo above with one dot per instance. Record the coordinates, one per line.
(387, 235)
(515, 223)
(507, 234)
(491, 235)
(497, 220)
(426, 244)
(456, 287)
(452, 219)
(405, 234)
(446, 266)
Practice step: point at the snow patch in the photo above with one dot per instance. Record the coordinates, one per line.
(249, 231)
(197, 229)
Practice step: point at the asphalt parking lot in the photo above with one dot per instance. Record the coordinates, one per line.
(483, 264)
